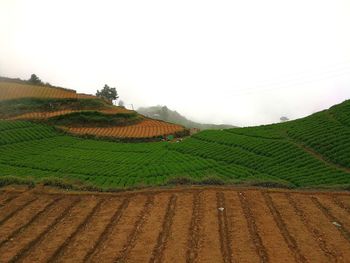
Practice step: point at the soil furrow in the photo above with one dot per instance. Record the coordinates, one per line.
(292, 244)
(224, 232)
(253, 229)
(345, 199)
(18, 230)
(242, 244)
(81, 244)
(176, 245)
(341, 204)
(209, 241)
(107, 231)
(317, 235)
(25, 250)
(120, 233)
(194, 224)
(58, 234)
(193, 241)
(136, 230)
(335, 221)
(58, 253)
(9, 249)
(339, 213)
(148, 236)
(335, 241)
(5, 199)
(158, 251)
(17, 210)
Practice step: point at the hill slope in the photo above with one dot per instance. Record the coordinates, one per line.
(309, 152)
(80, 114)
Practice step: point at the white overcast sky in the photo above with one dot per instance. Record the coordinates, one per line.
(243, 62)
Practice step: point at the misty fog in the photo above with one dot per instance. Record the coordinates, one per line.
(234, 62)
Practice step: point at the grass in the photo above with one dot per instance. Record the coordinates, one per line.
(13, 180)
(268, 156)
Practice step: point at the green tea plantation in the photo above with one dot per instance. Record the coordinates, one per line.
(309, 152)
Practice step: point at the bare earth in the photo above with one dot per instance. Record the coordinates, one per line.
(213, 224)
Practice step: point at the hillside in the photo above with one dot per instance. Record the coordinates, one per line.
(79, 114)
(309, 152)
(165, 114)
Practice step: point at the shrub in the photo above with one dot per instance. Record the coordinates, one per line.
(13, 180)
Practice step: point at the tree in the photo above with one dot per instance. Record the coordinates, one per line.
(34, 79)
(108, 93)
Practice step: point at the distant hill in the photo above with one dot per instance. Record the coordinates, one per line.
(165, 114)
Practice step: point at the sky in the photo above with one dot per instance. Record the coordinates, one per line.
(236, 62)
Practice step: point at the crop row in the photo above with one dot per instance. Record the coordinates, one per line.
(229, 156)
(326, 133)
(146, 128)
(25, 133)
(341, 113)
(286, 161)
(15, 90)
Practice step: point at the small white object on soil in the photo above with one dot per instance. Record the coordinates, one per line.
(336, 224)
(221, 209)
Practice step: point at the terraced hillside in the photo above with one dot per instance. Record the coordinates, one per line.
(310, 152)
(89, 115)
(10, 91)
(181, 225)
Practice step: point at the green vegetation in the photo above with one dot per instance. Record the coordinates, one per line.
(34, 79)
(94, 119)
(310, 152)
(108, 93)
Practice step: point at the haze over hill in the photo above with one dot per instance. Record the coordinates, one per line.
(165, 114)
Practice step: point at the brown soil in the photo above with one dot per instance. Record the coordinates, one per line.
(145, 129)
(181, 225)
(10, 91)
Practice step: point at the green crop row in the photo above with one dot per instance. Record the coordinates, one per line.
(275, 154)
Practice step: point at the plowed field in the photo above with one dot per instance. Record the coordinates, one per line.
(180, 225)
(144, 129)
(10, 91)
